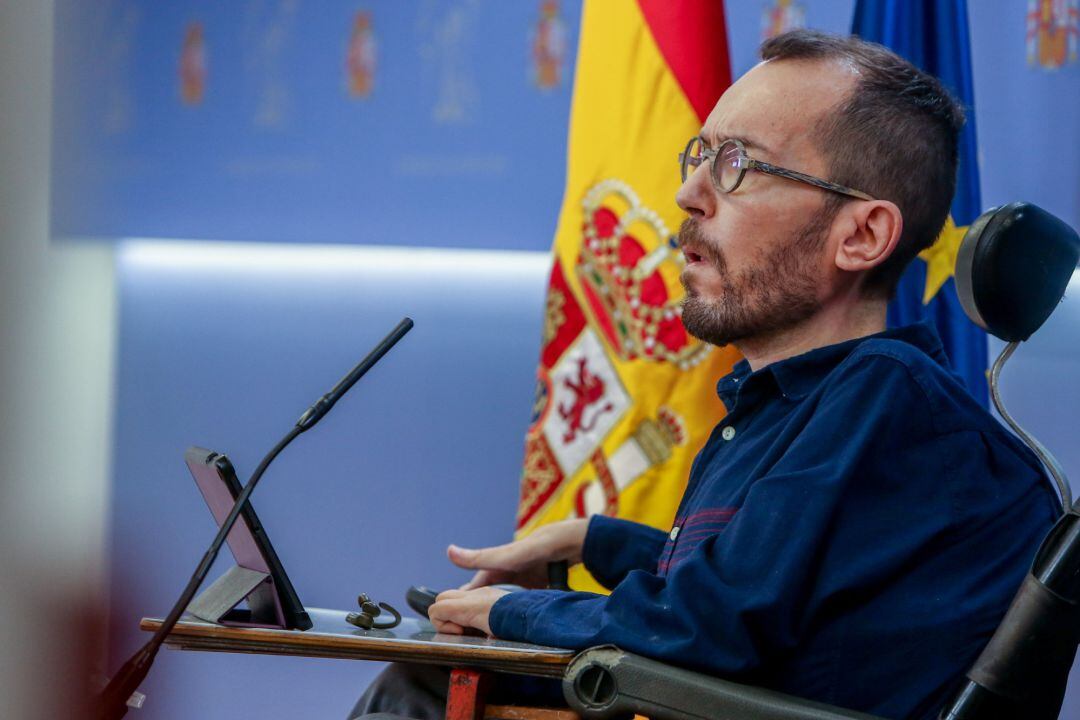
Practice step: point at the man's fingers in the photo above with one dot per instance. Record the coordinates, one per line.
(449, 628)
(449, 595)
(464, 557)
(444, 612)
(483, 578)
(451, 606)
(481, 559)
(464, 609)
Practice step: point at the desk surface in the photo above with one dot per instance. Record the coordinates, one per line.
(331, 637)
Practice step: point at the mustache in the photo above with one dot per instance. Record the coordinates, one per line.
(690, 234)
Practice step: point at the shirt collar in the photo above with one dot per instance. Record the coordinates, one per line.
(797, 376)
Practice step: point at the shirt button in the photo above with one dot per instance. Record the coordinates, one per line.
(674, 533)
(727, 433)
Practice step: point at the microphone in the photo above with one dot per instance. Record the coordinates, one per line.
(113, 701)
(322, 406)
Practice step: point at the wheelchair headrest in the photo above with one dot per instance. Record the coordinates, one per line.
(1012, 269)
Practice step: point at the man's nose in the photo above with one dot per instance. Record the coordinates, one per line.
(696, 196)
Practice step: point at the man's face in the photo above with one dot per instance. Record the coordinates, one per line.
(758, 260)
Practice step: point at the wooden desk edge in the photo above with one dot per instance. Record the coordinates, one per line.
(219, 638)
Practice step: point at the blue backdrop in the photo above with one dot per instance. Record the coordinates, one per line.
(278, 147)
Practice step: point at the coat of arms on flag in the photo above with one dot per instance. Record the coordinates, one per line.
(625, 397)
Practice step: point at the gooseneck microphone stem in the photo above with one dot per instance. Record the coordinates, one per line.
(113, 700)
(323, 404)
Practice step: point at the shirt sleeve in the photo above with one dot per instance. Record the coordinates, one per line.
(614, 547)
(740, 597)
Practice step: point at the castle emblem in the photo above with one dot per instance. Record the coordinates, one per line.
(780, 17)
(1053, 32)
(549, 46)
(193, 65)
(360, 57)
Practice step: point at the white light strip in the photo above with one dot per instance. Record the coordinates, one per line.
(260, 258)
(184, 256)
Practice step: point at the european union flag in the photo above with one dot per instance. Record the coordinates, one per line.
(933, 34)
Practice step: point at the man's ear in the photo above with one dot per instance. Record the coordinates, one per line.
(871, 235)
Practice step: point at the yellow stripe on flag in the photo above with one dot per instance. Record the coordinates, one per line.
(625, 400)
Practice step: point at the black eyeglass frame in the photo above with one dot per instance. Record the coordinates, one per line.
(745, 162)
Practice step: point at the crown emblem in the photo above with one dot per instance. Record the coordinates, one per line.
(622, 282)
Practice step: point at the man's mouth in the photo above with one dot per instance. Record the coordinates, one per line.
(693, 244)
(692, 256)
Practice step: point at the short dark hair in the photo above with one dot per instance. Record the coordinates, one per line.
(894, 137)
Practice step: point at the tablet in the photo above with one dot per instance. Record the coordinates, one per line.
(272, 604)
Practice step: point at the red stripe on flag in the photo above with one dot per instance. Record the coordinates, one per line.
(692, 37)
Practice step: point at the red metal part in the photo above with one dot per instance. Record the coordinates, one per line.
(468, 690)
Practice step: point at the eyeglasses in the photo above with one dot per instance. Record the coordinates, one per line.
(730, 163)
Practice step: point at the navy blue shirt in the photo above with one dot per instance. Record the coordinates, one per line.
(852, 532)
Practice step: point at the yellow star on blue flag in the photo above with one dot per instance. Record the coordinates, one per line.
(941, 258)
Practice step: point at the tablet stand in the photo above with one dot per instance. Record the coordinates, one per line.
(217, 604)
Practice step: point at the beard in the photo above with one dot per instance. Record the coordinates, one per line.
(774, 294)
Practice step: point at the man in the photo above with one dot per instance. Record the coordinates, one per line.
(855, 527)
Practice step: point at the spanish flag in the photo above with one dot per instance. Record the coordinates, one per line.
(625, 398)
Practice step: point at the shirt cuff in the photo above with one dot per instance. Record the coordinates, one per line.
(614, 547)
(508, 617)
(604, 539)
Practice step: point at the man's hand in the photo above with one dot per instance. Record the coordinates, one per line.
(523, 562)
(455, 610)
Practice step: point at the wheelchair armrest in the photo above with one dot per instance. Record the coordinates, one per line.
(605, 682)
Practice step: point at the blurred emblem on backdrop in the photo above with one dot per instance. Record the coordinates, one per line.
(360, 57)
(116, 62)
(268, 37)
(625, 397)
(193, 64)
(549, 47)
(781, 16)
(448, 36)
(1053, 32)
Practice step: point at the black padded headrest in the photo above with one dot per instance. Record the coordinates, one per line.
(1012, 269)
